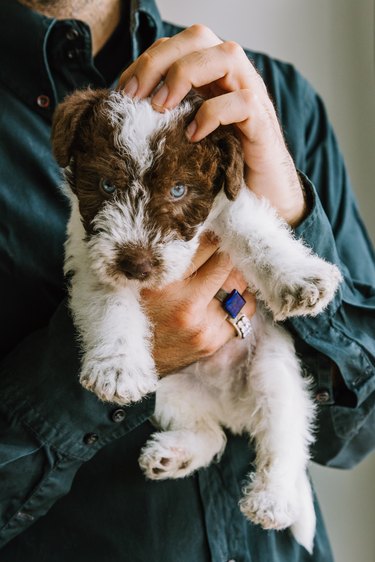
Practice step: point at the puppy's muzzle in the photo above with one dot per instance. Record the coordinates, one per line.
(138, 262)
(136, 268)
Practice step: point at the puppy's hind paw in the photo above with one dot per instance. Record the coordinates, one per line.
(112, 380)
(164, 457)
(268, 510)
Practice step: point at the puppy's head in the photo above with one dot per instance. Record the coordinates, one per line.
(143, 191)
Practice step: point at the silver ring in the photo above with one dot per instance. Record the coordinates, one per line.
(242, 325)
(221, 295)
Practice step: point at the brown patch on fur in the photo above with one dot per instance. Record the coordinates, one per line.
(231, 163)
(70, 118)
(195, 167)
(83, 137)
(86, 173)
(204, 168)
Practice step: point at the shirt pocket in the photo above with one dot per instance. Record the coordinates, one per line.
(23, 462)
(33, 475)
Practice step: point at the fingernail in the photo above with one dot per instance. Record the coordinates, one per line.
(190, 130)
(160, 97)
(131, 87)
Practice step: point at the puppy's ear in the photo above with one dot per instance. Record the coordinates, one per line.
(195, 100)
(67, 117)
(231, 160)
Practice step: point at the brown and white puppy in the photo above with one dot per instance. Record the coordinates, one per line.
(141, 195)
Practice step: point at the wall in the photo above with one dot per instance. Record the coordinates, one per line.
(331, 42)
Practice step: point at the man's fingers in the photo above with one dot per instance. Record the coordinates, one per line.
(235, 280)
(213, 274)
(232, 108)
(142, 77)
(220, 330)
(208, 279)
(208, 245)
(129, 71)
(224, 64)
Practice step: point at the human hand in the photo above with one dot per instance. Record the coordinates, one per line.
(189, 323)
(235, 94)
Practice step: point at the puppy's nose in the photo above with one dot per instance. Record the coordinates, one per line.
(136, 268)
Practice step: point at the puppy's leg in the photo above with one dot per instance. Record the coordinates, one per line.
(289, 278)
(192, 437)
(280, 418)
(117, 364)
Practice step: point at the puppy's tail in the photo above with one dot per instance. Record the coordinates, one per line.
(303, 529)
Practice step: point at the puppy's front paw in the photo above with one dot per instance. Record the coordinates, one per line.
(112, 379)
(309, 292)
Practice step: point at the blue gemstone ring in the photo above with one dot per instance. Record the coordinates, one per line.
(232, 302)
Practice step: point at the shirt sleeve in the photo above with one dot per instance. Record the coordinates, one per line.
(49, 424)
(343, 335)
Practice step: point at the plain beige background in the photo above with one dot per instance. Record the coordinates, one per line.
(332, 43)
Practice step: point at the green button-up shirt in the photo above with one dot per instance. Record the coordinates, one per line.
(70, 485)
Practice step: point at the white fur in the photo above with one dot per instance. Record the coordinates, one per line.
(136, 123)
(258, 391)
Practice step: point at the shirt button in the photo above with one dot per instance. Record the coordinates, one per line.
(72, 34)
(25, 516)
(322, 396)
(90, 438)
(118, 415)
(43, 101)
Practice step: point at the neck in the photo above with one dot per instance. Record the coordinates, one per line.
(102, 16)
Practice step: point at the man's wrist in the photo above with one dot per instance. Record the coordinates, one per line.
(302, 204)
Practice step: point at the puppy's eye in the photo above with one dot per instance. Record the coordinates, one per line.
(178, 191)
(107, 186)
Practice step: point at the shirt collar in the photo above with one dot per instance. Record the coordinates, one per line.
(151, 19)
(148, 7)
(24, 68)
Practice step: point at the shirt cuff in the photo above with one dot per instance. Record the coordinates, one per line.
(327, 332)
(316, 233)
(315, 229)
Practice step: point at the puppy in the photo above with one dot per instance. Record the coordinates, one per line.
(141, 196)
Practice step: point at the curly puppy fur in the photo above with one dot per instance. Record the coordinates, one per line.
(141, 195)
